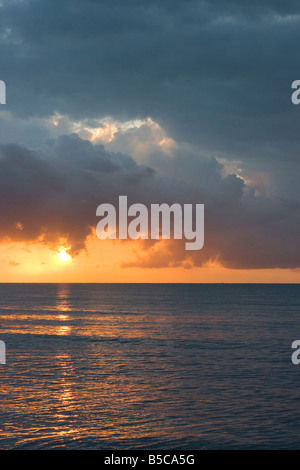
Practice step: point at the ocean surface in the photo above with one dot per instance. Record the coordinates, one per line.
(139, 366)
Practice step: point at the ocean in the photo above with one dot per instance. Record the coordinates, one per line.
(149, 366)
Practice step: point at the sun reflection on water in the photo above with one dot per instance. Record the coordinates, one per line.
(63, 305)
(64, 397)
(63, 298)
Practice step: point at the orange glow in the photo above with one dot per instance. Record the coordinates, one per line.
(102, 262)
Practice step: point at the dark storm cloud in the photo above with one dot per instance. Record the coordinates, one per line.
(212, 72)
(50, 195)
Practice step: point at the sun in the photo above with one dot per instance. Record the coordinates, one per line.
(64, 256)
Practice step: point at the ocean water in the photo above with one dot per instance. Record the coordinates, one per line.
(136, 366)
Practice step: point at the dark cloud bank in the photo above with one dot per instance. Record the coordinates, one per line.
(213, 74)
(55, 194)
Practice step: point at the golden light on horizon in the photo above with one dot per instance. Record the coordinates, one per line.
(105, 262)
(64, 256)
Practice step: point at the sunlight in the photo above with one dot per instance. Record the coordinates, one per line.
(64, 256)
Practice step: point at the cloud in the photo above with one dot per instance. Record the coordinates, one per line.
(209, 83)
(52, 196)
(213, 74)
(210, 72)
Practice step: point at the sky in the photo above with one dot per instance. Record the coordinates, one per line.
(162, 101)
